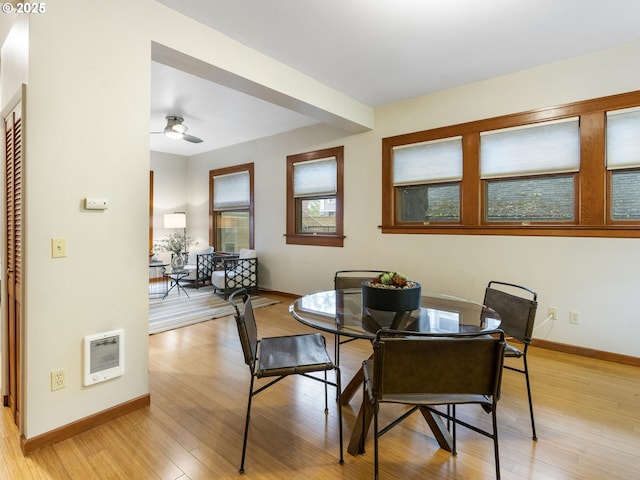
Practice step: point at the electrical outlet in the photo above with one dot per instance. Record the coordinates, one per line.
(553, 313)
(58, 380)
(58, 247)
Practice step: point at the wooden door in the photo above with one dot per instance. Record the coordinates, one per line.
(13, 231)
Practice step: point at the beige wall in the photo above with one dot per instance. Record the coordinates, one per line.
(86, 135)
(596, 277)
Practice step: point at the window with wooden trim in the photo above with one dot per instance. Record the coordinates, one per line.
(571, 170)
(231, 212)
(427, 178)
(528, 173)
(314, 198)
(623, 164)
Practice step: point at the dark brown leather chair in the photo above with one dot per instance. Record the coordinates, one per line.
(425, 370)
(344, 279)
(279, 357)
(517, 314)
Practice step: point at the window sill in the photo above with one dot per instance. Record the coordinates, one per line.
(613, 231)
(318, 240)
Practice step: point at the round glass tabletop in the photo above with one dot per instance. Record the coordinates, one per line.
(341, 312)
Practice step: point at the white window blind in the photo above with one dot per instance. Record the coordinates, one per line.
(623, 138)
(433, 161)
(315, 177)
(549, 147)
(231, 191)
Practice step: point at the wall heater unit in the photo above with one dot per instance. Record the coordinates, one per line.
(103, 356)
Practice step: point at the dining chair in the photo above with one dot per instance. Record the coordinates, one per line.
(425, 370)
(350, 279)
(279, 357)
(517, 314)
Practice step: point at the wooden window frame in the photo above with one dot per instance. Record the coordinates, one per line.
(246, 167)
(150, 214)
(293, 237)
(592, 181)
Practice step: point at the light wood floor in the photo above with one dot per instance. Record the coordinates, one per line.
(587, 412)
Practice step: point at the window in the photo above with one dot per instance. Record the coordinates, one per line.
(231, 200)
(570, 170)
(426, 177)
(314, 198)
(529, 172)
(623, 164)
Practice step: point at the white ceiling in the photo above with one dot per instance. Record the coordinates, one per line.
(375, 51)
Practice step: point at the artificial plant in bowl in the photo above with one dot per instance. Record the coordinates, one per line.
(391, 292)
(176, 243)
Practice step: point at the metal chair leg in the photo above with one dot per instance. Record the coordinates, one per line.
(526, 376)
(326, 394)
(375, 441)
(246, 426)
(495, 443)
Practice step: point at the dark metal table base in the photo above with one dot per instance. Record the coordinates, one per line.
(175, 282)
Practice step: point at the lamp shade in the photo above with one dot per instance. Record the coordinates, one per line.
(175, 220)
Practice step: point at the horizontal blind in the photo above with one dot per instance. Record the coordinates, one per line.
(623, 138)
(315, 177)
(231, 191)
(549, 147)
(433, 161)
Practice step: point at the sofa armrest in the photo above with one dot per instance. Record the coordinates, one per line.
(200, 270)
(234, 273)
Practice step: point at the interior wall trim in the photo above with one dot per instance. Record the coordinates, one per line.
(587, 352)
(30, 445)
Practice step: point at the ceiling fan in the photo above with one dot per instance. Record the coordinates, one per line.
(175, 129)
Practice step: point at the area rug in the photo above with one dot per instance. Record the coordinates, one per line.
(177, 311)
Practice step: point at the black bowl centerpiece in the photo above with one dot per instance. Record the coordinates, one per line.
(391, 292)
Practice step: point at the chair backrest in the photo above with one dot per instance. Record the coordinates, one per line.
(247, 253)
(353, 278)
(411, 364)
(192, 256)
(517, 313)
(246, 323)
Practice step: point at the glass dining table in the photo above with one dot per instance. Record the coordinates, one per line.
(340, 312)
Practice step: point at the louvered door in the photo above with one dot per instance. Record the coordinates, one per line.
(13, 231)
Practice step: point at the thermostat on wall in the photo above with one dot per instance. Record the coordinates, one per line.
(103, 356)
(91, 203)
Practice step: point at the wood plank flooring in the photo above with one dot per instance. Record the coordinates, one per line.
(587, 418)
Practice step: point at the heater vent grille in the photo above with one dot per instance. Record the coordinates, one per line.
(103, 356)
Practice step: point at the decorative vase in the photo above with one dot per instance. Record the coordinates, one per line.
(177, 261)
(391, 299)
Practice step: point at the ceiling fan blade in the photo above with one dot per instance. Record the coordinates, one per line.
(191, 138)
(176, 130)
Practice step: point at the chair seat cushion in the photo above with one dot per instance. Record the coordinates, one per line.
(217, 279)
(292, 354)
(192, 269)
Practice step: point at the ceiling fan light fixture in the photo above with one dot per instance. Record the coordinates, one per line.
(173, 134)
(179, 128)
(176, 130)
